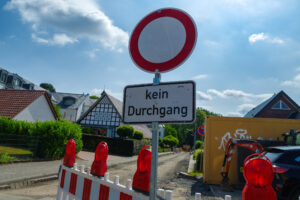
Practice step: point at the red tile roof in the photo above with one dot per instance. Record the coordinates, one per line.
(13, 102)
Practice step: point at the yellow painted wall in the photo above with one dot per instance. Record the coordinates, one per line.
(218, 128)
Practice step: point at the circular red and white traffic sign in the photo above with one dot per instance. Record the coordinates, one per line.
(201, 130)
(163, 40)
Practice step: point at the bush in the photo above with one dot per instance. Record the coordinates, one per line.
(160, 149)
(125, 147)
(53, 135)
(198, 156)
(199, 144)
(5, 158)
(160, 141)
(87, 130)
(170, 140)
(138, 135)
(125, 131)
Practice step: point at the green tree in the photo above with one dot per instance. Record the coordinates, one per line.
(48, 86)
(125, 131)
(169, 130)
(185, 132)
(94, 97)
(170, 141)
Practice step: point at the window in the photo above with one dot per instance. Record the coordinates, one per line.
(280, 105)
(3, 77)
(68, 101)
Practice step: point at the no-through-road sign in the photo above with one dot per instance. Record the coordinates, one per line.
(163, 40)
(169, 102)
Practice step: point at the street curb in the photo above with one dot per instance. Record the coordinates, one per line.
(187, 176)
(23, 182)
(19, 183)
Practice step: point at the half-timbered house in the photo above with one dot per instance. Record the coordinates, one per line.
(105, 115)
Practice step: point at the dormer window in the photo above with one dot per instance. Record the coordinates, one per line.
(17, 82)
(3, 76)
(280, 105)
(68, 101)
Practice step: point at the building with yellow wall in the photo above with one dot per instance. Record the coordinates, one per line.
(219, 129)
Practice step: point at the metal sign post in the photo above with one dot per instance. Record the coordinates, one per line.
(195, 135)
(151, 50)
(154, 153)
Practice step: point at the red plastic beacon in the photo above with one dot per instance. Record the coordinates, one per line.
(141, 178)
(258, 172)
(99, 166)
(69, 158)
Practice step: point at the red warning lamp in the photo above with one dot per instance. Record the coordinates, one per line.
(141, 178)
(259, 175)
(99, 166)
(69, 158)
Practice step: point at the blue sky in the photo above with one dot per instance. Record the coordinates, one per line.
(246, 50)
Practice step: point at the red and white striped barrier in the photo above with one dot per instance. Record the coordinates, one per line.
(79, 185)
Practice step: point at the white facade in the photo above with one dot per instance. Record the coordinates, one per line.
(39, 110)
(69, 114)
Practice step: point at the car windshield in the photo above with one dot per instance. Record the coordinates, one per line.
(273, 156)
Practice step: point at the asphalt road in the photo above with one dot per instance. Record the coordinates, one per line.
(168, 168)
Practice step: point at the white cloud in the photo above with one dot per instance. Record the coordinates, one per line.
(241, 110)
(237, 94)
(244, 108)
(203, 96)
(233, 114)
(77, 18)
(200, 76)
(295, 82)
(58, 39)
(92, 53)
(264, 37)
(98, 92)
(216, 93)
(39, 40)
(211, 43)
(220, 10)
(257, 37)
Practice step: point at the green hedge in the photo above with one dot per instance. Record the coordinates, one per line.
(53, 135)
(125, 131)
(198, 156)
(138, 135)
(199, 144)
(119, 146)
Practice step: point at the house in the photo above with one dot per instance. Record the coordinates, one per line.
(26, 105)
(72, 106)
(105, 115)
(280, 105)
(10, 80)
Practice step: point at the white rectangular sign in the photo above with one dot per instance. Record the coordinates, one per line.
(169, 102)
